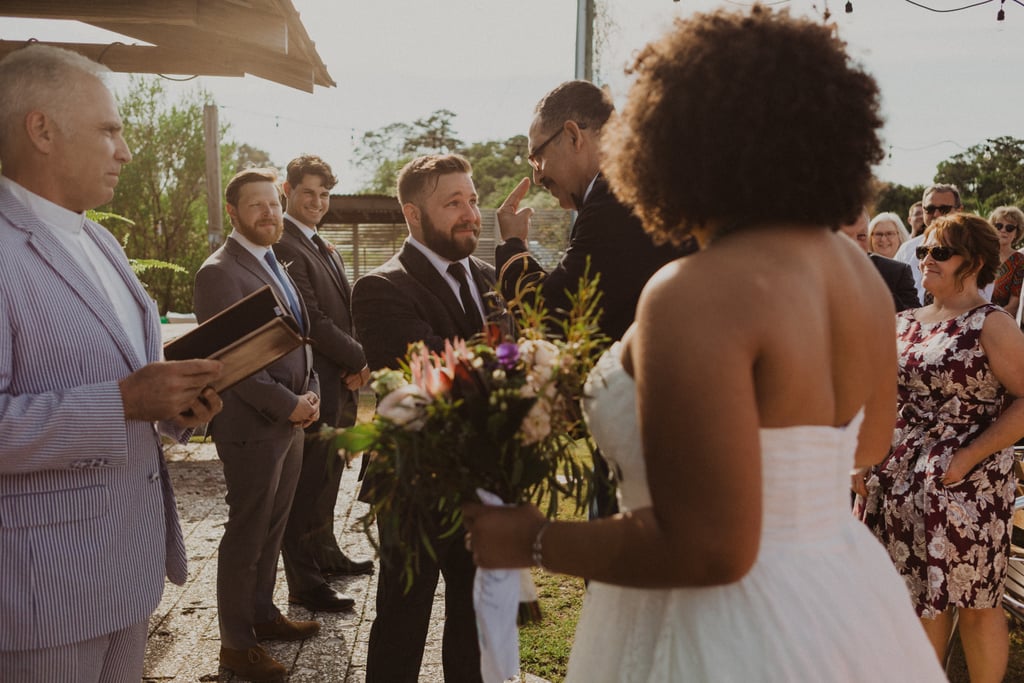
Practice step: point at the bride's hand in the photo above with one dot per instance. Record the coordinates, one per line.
(501, 537)
(858, 481)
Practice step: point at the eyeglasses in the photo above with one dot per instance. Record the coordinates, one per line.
(534, 157)
(938, 253)
(1005, 227)
(942, 209)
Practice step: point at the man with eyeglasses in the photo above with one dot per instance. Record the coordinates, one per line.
(565, 153)
(938, 200)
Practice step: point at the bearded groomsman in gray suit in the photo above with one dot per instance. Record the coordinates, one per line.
(258, 435)
(311, 550)
(88, 524)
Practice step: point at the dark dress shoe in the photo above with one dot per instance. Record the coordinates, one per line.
(253, 664)
(347, 567)
(284, 628)
(322, 599)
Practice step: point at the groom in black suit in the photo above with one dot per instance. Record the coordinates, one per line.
(565, 153)
(430, 291)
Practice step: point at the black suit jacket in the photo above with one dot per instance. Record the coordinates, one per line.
(900, 280)
(407, 300)
(619, 249)
(327, 295)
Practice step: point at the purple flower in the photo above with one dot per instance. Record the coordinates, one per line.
(508, 355)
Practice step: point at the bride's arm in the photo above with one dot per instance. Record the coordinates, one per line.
(699, 428)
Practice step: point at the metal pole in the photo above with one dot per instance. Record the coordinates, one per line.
(585, 39)
(214, 213)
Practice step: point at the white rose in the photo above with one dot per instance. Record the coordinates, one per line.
(536, 426)
(406, 407)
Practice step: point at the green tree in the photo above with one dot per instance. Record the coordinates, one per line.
(896, 198)
(162, 192)
(989, 174)
(498, 165)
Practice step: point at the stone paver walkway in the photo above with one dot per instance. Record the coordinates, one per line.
(184, 642)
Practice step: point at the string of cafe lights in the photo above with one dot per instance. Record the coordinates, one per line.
(848, 8)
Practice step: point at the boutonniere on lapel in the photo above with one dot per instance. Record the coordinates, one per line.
(329, 245)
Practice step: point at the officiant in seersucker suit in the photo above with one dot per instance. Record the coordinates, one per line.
(430, 291)
(311, 551)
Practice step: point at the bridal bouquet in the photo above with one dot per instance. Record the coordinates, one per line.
(496, 413)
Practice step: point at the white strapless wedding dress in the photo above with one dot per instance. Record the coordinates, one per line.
(822, 602)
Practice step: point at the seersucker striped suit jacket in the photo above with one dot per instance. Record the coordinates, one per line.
(88, 524)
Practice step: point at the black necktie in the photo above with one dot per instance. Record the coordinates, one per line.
(325, 251)
(458, 271)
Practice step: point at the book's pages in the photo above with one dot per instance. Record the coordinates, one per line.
(247, 336)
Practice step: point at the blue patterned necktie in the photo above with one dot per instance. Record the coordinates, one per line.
(292, 302)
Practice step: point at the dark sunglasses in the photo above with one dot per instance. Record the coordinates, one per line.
(937, 253)
(1005, 227)
(942, 209)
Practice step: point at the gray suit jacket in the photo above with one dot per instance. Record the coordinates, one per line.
(88, 524)
(256, 408)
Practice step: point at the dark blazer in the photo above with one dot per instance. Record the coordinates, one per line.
(327, 297)
(256, 408)
(407, 300)
(403, 301)
(900, 280)
(612, 236)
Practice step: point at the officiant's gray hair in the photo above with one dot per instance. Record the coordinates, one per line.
(40, 78)
(579, 101)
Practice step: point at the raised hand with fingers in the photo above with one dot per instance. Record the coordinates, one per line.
(513, 221)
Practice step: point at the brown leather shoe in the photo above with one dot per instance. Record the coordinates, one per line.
(284, 628)
(253, 664)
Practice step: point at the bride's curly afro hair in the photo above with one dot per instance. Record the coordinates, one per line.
(744, 118)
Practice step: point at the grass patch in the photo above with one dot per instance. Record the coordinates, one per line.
(544, 647)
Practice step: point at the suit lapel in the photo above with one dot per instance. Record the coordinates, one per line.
(421, 269)
(305, 243)
(150, 320)
(67, 269)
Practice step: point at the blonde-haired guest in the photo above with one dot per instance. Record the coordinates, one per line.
(886, 233)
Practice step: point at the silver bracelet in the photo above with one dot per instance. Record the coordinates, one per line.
(538, 547)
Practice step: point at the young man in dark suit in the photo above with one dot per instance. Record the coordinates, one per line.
(310, 549)
(258, 434)
(565, 153)
(430, 291)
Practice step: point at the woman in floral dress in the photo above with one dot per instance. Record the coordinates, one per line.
(942, 501)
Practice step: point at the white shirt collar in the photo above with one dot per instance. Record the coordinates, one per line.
(256, 250)
(590, 187)
(306, 230)
(439, 262)
(52, 214)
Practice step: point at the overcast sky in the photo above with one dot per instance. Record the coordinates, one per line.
(949, 80)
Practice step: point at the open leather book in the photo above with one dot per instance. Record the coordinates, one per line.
(247, 336)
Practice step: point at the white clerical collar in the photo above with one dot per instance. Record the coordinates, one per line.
(439, 262)
(52, 214)
(306, 230)
(590, 187)
(257, 250)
